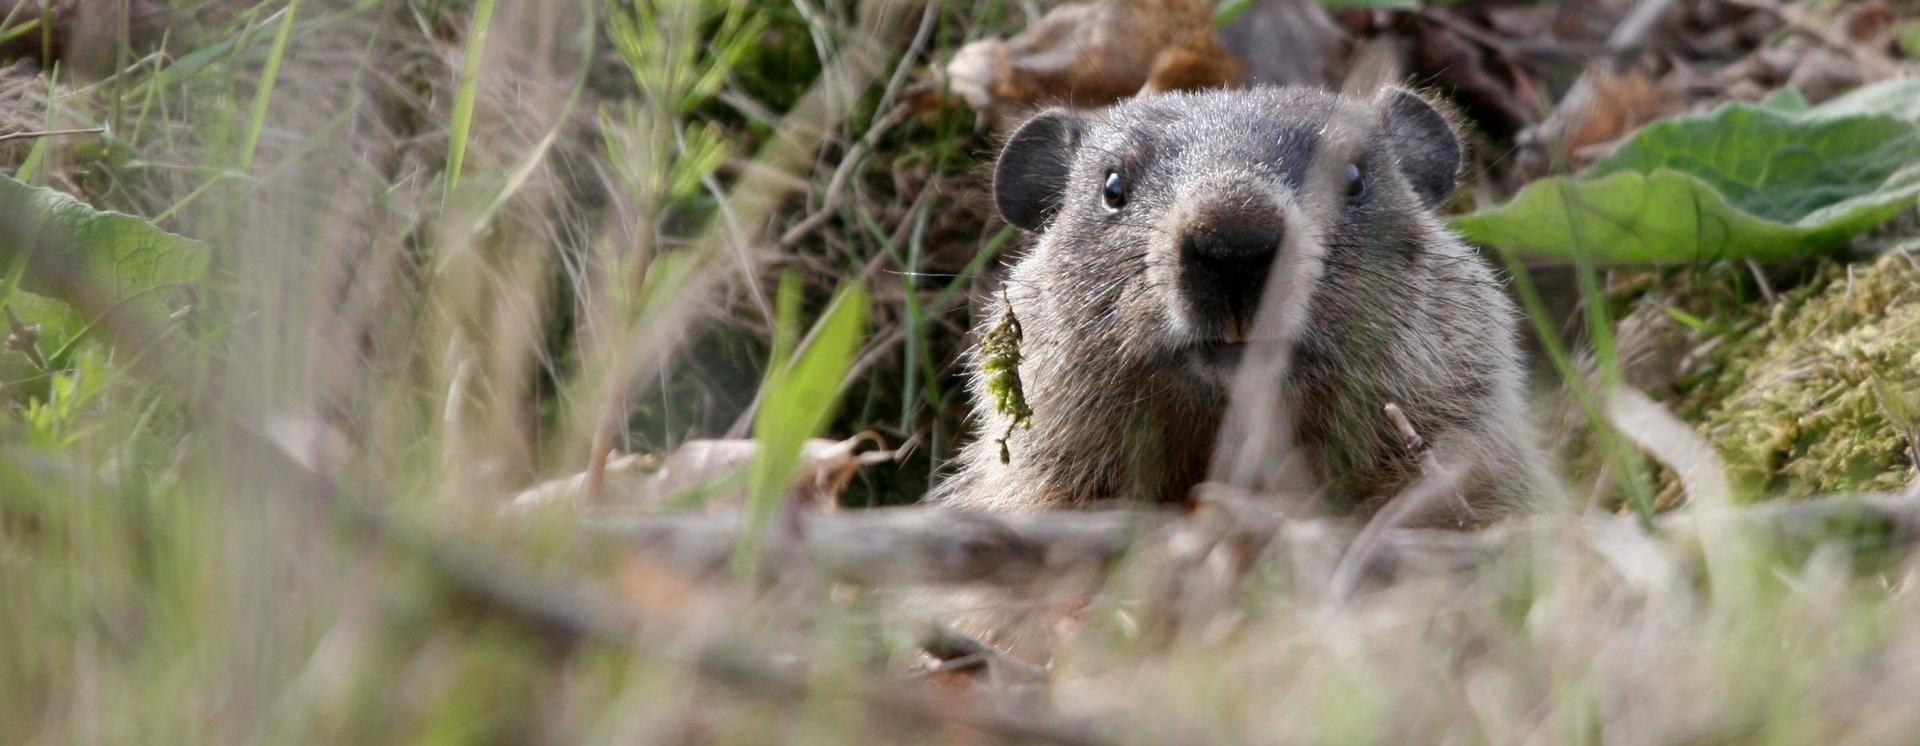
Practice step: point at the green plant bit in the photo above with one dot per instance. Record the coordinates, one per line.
(1001, 361)
(1814, 395)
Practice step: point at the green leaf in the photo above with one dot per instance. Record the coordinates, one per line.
(126, 258)
(1786, 100)
(1766, 182)
(1227, 10)
(467, 93)
(796, 403)
(1775, 166)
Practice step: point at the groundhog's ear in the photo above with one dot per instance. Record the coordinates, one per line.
(1426, 143)
(1030, 181)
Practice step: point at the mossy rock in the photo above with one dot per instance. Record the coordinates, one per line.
(1818, 392)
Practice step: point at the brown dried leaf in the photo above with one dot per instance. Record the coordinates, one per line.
(1094, 53)
(1609, 106)
(826, 466)
(1869, 23)
(1194, 63)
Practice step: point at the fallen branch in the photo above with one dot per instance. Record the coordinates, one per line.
(931, 546)
(958, 651)
(897, 546)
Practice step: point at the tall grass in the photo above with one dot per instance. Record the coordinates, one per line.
(467, 90)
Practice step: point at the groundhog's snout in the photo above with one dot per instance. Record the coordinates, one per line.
(1227, 248)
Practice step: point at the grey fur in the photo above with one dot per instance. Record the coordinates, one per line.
(1371, 299)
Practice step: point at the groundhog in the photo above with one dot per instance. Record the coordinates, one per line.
(1180, 233)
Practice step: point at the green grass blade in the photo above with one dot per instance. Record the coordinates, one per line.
(10, 34)
(146, 99)
(264, 97)
(38, 153)
(468, 91)
(800, 397)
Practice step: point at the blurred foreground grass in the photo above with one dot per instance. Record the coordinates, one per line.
(455, 246)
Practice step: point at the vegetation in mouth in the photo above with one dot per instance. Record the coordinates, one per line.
(1000, 360)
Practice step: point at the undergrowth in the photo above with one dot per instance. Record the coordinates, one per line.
(443, 269)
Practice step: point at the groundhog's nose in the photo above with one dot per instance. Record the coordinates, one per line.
(1226, 253)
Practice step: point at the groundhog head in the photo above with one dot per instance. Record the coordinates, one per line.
(1166, 220)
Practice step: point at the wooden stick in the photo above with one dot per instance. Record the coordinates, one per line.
(24, 339)
(51, 133)
(934, 546)
(1432, 472)
(897, 546)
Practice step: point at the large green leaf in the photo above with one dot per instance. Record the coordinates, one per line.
(126, 260)
(1766, 182)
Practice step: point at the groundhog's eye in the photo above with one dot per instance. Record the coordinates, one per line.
(1114, 192)
(1355, 184)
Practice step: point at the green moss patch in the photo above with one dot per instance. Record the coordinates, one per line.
(1818, 392)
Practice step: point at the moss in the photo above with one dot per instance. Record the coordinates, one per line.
(1000, 360)
(1816, 393)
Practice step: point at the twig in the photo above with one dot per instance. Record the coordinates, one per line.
(1410, 439)
(1760, 278)
(1435, 482)
(898, 546)
(1632, 31)
(1503, 45)
(1417, 448)
(959, 651)
(51, 133)
(931, 546)
(830, 203)
(1875, 64)
(24, 339)
(836, 185)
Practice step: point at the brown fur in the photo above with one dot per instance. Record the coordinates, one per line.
(1371, 300)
